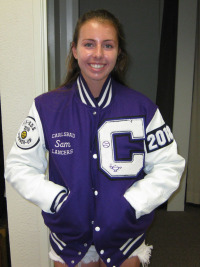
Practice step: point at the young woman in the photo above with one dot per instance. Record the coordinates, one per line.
(112, 159)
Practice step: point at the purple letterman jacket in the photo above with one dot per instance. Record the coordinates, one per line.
(112, 161)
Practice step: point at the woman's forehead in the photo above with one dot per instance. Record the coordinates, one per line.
(96, 27)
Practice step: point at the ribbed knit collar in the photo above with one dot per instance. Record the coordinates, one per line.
(87, 98)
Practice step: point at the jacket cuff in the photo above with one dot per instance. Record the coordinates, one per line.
(58, 200)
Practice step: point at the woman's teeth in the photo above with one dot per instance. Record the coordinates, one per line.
(96, 66)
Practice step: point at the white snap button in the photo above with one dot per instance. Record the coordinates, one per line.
(108, 260)
(102, 252)
(94, 113)
(79, 253)
(92, 222)
(85, 245)
(94, 156)
(97, 228)
(72, 261)
(96, 193)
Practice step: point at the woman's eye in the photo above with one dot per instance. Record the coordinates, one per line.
(108, 46)
(88, 45)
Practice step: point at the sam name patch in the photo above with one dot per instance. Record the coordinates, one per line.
(27, 136)
(159, 138)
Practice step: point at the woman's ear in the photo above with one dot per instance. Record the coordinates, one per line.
(74, 50)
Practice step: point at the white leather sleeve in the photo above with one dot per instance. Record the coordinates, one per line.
(163, 168)
(26, 164)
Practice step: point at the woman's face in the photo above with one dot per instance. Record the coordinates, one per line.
(96, 51)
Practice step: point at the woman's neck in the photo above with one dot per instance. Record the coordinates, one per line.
(95, 88)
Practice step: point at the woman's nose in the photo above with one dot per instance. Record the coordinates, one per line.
(98, 53)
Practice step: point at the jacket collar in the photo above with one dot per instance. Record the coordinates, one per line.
(87, 98)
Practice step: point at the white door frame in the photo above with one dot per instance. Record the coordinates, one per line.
(41, 86)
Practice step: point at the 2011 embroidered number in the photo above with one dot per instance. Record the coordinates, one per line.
(159, 138)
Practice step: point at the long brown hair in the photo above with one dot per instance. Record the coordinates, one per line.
(104, 16)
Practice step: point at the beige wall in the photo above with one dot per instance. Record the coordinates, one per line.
(20, 77)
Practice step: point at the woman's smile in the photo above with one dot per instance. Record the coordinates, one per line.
(97, 66)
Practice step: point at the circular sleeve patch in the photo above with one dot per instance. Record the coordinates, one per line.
(28, 136)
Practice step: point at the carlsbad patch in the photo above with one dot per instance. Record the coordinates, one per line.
(27, 136)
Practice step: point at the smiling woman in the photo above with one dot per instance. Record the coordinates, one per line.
(110, 43)
(96, 52)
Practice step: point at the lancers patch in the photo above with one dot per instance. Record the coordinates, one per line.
(27, 136)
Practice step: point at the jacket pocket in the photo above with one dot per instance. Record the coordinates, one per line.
(71, 219)
(57, 241)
